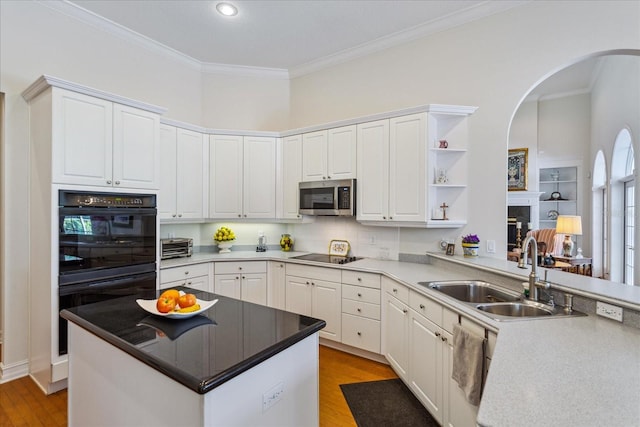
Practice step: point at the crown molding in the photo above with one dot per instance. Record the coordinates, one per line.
(458, 18)
(481, 10)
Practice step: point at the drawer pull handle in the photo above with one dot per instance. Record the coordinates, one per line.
(422, 306)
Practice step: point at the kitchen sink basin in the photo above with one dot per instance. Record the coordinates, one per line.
(474, 291)
(516, 309)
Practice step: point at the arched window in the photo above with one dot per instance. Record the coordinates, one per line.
(622, 209)
(600, 223)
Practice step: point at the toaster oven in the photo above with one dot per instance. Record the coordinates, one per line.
(176, 247)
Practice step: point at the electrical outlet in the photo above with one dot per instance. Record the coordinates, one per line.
(272, 396)
(608, 310)
(491, 246)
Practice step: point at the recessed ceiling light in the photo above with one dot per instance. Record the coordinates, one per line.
(226, 9)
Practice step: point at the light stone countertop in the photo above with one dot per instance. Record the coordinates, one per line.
(570, 371)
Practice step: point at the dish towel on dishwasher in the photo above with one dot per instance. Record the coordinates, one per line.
(468, 362)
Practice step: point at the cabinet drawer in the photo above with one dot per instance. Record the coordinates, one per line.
(233, 267)
(358, 293)
(361, 333)
(396, 289)
(370, 280)
(320, 273)
(359, 308)
(200, 283)
(426, 307)
(179, 273)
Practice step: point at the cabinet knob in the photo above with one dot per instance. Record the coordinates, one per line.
(328, 177)
(395, 291)
(188, 283)
(237, 278)
(359, 310)
(359, 294)
(390, 217)
(179, 215)
(174, 215)
(117, 182)
(307, 283)
(245, 215)
(239, 216)
(437, 334)
(243, 277)
(444, 339)
(239, 268)
(281, 265)
(421, 306)
(359, 334)
(109, 181)
(313, 284)
(186, 272)
(359, 279)
(384, 217)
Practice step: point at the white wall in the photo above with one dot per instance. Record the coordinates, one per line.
(491, 63)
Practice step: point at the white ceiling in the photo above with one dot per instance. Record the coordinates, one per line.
(293, 36)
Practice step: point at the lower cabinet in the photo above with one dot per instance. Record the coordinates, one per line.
(315, 292)
(361, 310)
(196, 276)
(418, 343)
(246, 281)
(276, 283)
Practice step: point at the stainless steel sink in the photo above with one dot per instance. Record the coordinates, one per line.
(474, 291)
(516, 309)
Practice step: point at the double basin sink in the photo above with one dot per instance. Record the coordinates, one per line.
(495, 301)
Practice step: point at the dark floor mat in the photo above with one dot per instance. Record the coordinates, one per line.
(385, 403)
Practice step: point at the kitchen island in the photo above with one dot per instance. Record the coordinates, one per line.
(235, 364)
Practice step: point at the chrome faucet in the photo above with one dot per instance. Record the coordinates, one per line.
(534, 280)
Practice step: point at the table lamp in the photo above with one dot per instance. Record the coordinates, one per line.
(568, 225)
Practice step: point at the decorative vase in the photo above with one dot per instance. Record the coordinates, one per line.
(470, 249)
(225, 247)
(286, 242)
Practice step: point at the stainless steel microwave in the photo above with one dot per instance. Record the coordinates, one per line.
(329, 197)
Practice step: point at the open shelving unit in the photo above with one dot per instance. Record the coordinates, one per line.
(562, 180)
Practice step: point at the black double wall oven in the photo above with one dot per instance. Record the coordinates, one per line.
(107, 249)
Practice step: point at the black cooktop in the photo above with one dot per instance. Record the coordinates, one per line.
(330, 259)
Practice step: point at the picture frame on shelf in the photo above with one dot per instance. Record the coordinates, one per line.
(451, 248)
(517, 169)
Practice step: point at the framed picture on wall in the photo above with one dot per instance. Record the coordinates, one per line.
(517, 169)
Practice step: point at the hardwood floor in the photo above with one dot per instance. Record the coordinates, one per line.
(22, 403)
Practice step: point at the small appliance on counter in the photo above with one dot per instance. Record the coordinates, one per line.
(262, 242)
(176, 247)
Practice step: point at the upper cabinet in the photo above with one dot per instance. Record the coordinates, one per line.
(184, 159)
(404, 177)
(242, 177)
(329, 154)
(97, 142)
(289, 175)
(95, 138)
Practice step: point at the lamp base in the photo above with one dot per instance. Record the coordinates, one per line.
(567, 246)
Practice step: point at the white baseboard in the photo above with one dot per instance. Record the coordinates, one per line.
(13, 371)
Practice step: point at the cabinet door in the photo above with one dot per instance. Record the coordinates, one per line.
(459, 412)
(276, 285)
(168, 177)
(259, 187)
(136, 148)
(192, 166)
(396, 330)
(326, 301)
(254, 288)
(425, 363)
(407, 164)
(82, 139)
(228, 285)
(341, 153)
(314, 156)
(291, 170)
(373, 171)
(298, 295)
(225, 176)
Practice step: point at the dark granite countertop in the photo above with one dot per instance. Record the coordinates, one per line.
(203, 351)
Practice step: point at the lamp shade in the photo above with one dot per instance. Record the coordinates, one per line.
(569, 224)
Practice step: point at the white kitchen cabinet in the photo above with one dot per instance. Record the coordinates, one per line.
(242, 280)
(184, 160)
(289, 176)
(242, 178)
(276, 284)
(361, 310)
(196, 276)
(315, 292)
(100, 143)
(395, 320)
(397, 172)
(329, 154)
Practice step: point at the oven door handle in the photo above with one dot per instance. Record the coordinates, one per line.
(107, 211)
(120, 282)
